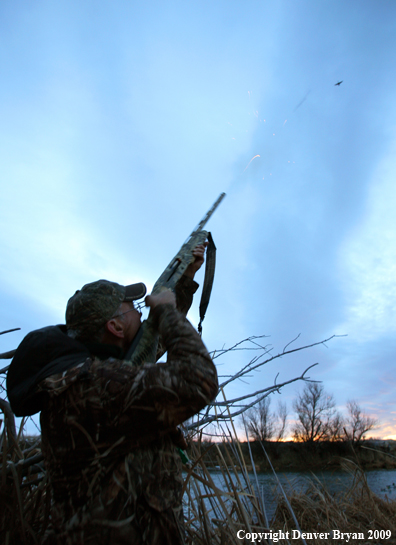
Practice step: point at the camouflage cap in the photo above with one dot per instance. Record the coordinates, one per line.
(92, 306)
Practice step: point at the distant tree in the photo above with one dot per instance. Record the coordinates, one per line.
(260, 421)
(314, 409)
(282, 418)
(357, 423)
(336, 428)
(263, 424)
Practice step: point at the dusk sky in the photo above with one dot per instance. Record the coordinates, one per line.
(123, 121)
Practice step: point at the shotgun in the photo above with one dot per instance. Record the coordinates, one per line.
(144, 345)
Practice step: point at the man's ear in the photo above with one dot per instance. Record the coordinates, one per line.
(114, 327)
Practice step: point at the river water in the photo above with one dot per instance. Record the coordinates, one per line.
(381, 481)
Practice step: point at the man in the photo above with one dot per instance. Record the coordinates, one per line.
(109, 433)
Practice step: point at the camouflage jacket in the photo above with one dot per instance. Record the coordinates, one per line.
(108, 440)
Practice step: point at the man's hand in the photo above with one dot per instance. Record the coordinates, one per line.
(164, 297)
(199, 254)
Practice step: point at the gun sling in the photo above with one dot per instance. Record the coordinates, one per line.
(208, 281)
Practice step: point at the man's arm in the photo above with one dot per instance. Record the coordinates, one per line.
(185, 289)
(157, 397)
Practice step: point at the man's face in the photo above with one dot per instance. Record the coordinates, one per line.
(131, 321)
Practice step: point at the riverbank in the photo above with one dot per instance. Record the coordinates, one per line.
(292, 456)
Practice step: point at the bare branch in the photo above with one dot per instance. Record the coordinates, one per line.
(234, 407)
(252, 365)
(9, 330)
(7, 355)
(6, 408)
(291, 342)
(269, 389)
(237, 346)
(230, 404)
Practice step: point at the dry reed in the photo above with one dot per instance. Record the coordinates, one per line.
(215, 510)
(354, 510)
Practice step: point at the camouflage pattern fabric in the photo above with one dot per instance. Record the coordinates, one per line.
(108, 433)
(184, 291)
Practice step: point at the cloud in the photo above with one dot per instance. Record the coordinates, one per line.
(367, 260)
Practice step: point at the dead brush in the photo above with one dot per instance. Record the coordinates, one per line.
(353, 510)
(215, 513)
(24, 496)
(215, 510)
